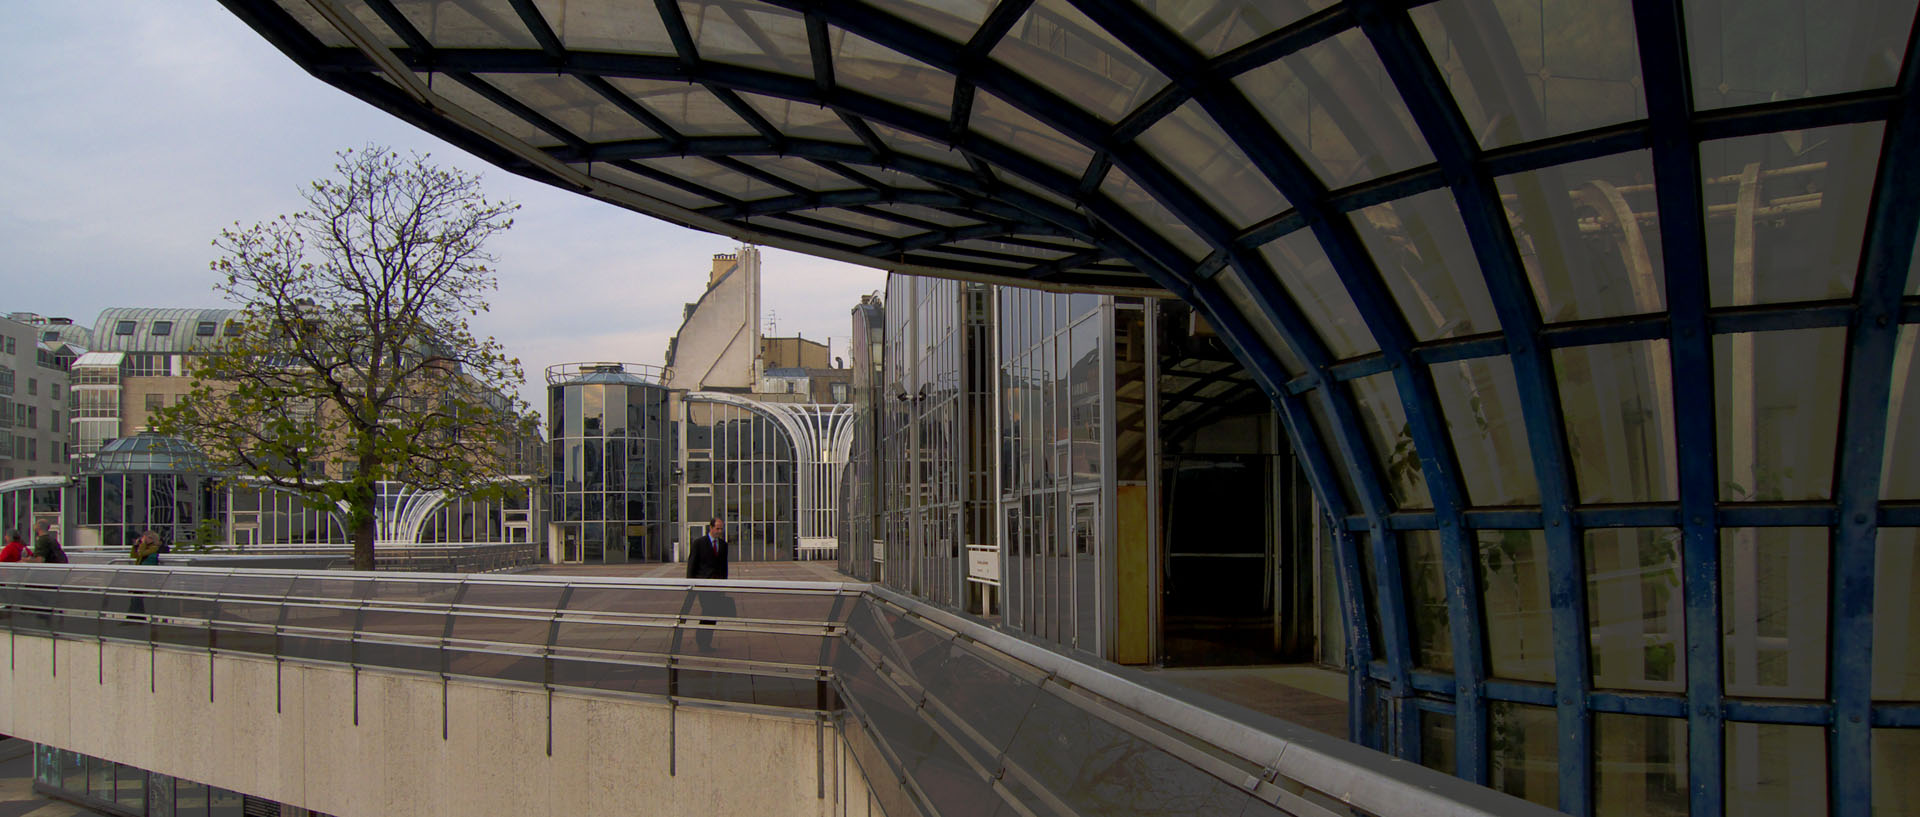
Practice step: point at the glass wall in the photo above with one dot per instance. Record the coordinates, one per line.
(860, 490)
(121, 789)
(22, 503)
(922, 435)
(609, 430)
(739, 465)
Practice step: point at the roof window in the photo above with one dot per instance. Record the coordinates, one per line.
(205, 329)
(162, 328)
(123, 328)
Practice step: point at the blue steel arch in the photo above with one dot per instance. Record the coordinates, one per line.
(1186, 244)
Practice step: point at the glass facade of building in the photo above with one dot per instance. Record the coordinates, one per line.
(740, 466)
(118, 788)
(1587, 321)
(609, 433)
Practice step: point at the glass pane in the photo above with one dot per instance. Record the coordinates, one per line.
(1896, 789)
(1618, 404)
(1747, 52)
(1019, 131)
(1061, 47)
(1333, 103)
(1218, 26)
(1386, 422)
(1142, 205)
(1317, 406)
(1785, 212)
(612, 25)
(1899, 470)
(1530, 70)
(1310, 278)
(1773, 611)
(863, 65)
(1513, 584)
(690, 109)
(1896, 615)
(1427, 261)
(754, 34)
(1194, 147)
(1525, 759)
(572, 105)
(1634, 608)
(468, 24)
(1436, 741)
(1242, 297)
(1776, 769)
(1589, 235)
(1641, 767)
(1778, 399)
(1427, 602)
(1481, 403)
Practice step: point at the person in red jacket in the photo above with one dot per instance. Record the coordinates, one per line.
(14, 549)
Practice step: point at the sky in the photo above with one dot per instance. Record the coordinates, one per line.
(133, 131)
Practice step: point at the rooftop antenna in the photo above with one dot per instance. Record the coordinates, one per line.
(773, 322)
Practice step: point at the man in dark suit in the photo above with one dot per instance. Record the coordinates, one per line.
(708, 560)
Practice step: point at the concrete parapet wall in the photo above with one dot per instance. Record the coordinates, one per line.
(290, 733)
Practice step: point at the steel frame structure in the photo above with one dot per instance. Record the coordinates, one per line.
(932, 187)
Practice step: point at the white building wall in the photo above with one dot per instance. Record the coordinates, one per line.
(718, 345)
(35, 444)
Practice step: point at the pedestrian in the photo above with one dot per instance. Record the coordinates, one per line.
(15, 548)
(708, 560)
(146, 549)
(46, 543)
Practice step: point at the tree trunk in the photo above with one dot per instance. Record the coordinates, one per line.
(360, 514)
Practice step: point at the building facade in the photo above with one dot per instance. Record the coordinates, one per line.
(612, 450)
(33, 398)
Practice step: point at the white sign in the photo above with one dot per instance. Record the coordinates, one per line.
(983, 564)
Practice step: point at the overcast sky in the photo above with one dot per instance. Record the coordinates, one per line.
(133, 131)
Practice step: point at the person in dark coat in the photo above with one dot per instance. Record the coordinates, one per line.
(708, 560)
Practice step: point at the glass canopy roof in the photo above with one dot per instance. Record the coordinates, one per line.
(1617, 288)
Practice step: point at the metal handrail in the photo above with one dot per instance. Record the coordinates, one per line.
(945, 714)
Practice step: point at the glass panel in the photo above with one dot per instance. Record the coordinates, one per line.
(1436, 741)
(1896, 615)
(459, 94)
(644, 185)
(1142, 205)
(1194, 147)
(1526, 750)
(1785, 212)
(468, 23)
(1335, 106)
(1386, 422)
(612, 25)
(1427, 261)
(710, 175)
(957, 19)
(1310, 278)
(1481, 403)
(1776, 769)
(1589, 235)
(1018, 131)
(1618, 404)
(1634, 608)
(1530, 70)
(1641, 767)
(1778, 399)
(1317, 406)
(572, 105)
(1218, 26)
(1896, 789)
(1513, 586)
(691, 109)
(1058, 45)
(863, 65)
(1773, 610)
(754, 34)
(1746, 52)
(799, 120)
(1899, 471)
(1242, 297)
(1427, 603)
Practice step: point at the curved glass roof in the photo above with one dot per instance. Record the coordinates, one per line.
(1588, 319)
(146, 451)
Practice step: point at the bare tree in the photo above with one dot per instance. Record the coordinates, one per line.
(352, 361)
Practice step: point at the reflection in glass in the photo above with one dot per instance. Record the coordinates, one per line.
(1529, 70)
(1743, 53)
(1634, 608)
(1617, 402)
(1393, 450)
(1436, 741)
(1786, 212)
(1776, 769)
(1640, 767)
(1896, 789)
(1336, 107)
(1513, 583)
(1899, 470)
(1078, 60)
(1896, 615)
(1773, 609)
(1481, 404)
(1427, 261)
(1310, 278)
(1189, 143)
(1589, 235)
(1525, 754)
(1427, 601)
(1778, 399)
